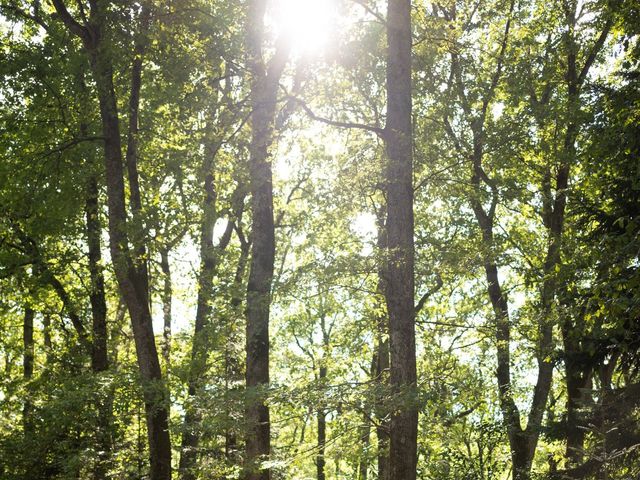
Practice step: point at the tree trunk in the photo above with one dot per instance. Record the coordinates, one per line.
(132, 280)
(399, 288)
(363, 465)
(31, 464)
(578, 376)
(99, 359)
(233, 368)
(46, 333)
(200, 345)
(258, 441)
(577, 380)
(322, 431)
(381, 352)
(138, 231)
(555, 225)
(167, 294)
(264, 88)
(99, 356)
(522, 443)
(27, 365)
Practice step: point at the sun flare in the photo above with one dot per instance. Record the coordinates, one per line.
(307, 24)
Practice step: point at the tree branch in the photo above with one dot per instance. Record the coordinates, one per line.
(380, 132)
(371, 11)
(595, 50)
(429, 293)
(497, 74)
(34, 17)
(71, 23)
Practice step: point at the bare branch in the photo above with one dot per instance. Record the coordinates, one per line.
(371, 11)
(369, 128)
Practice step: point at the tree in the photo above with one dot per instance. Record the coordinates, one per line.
(128, 261)
(399, 281)
(452, 190)
(264, 80)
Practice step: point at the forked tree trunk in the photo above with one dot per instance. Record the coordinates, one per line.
(259, 286)
(132, 281)
(522, 442)
(577, 376)
(130, 275)
(233, 364)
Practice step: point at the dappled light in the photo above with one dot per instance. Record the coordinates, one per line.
(319, 239)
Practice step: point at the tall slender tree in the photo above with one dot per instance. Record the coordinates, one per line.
(94, 31)
(264, 79)
(399, 284)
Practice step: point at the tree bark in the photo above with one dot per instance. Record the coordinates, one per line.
(381, 352)
(131, 279)
(399, 288)
(99, 356)
(167, 294)
(322, 431)
(200, 345)
(27, 366)
(99, 359)
(264, 88)
(32, 469)
(233, 367)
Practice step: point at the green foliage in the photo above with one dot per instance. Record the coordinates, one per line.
(470, 87)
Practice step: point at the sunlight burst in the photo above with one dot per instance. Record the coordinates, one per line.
(308, 24)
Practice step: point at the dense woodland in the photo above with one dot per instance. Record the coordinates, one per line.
(330, 239)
